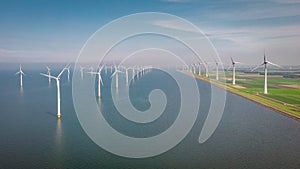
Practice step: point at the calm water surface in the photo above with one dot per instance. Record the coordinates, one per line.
(249, 135)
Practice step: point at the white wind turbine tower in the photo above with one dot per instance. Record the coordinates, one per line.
(199, 69)
(21, 75)
(233, 70)
(58, 90)
(217, 70)
(191, 68)
(91, 68)
(137, 72)
(99, 80)
(133, 73)
(266, 71)
(206, 69)
(142, 70)
(126, 73)
(48, 72)
(81, 71)
(116, 73)
(194, 68)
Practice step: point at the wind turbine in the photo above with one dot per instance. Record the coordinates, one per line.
(126, 73)
(133, 73)
(21, 75)
(233, 70)
(58, 90)
(206, 68)
(91, 68)
(99, 80)
(266, 71)
(81, 71)
(68, 69)
(116, 73)
(48, 72)
(194, 68)
(199, 69)
(137, 72)
(217, 70)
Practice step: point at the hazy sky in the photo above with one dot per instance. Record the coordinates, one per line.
(55, 31)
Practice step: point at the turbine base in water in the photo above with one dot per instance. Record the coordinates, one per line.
(58, 116)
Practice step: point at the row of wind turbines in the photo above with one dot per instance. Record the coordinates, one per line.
(193, 67)
(141, 70)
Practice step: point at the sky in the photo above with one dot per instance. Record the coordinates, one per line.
(55, 31)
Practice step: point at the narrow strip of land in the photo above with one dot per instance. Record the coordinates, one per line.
(276, 105)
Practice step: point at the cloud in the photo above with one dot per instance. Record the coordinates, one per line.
(175, 25)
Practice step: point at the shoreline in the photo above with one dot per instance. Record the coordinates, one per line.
(245, 95)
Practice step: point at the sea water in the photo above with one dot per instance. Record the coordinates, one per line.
(248, 136)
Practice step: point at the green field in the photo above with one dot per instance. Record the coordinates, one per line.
(283, 93)
(253, 85)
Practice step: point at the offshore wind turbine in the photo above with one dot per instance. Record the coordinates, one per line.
(81, 72)
(137, 72)
(68, 69)
(126, 74)
(142, 70)
(133, 73)
(48, 72)
(91, 68)
(266, 71)
(99, 80)
(116, 73)
(58, 90)
(21, 75)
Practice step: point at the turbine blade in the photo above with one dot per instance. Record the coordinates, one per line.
(101, 80)
(265, 58)
(113, 74)
(100, 68)
(48, 76)
(232, 61)
(275, 65)
(257, 67)
(93, 73)
(62, 71)
(17, 73)
(229, 68)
